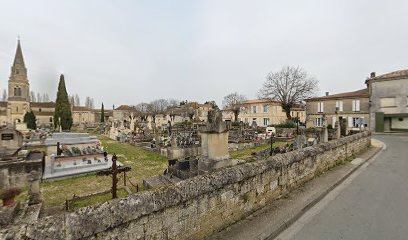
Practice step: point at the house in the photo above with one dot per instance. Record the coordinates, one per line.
(266, 112)
(388, 101)
(353, 107)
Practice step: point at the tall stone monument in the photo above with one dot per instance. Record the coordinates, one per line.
(214, 144)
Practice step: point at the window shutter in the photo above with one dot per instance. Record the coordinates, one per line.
(341, 106)
(350, 121)
(353, 106)
(334, 122)
(318, 107)
(357, 105)
(322, 106)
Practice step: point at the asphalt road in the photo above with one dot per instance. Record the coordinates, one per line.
(372, 205)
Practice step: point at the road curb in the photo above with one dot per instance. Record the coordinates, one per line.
(293, 219)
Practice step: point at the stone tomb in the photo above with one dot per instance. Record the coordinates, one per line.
(72, 154)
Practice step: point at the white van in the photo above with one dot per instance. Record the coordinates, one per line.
(270, 130)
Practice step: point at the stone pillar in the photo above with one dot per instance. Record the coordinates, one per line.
(214, 144)
(325, 135)
(34, 193)
(338, 130)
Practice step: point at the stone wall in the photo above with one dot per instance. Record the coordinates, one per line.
(197, 207)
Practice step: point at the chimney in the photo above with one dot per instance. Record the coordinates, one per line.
(372, 75)
(327, 94)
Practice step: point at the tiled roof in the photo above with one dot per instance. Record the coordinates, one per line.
(43, 104)
(125, 108)
(392, 75)
(359, 93)
(37, 113)
(258, 101)
(81, 108)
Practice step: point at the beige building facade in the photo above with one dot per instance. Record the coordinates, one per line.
(389, 101)
(264, 112)
(351, 106)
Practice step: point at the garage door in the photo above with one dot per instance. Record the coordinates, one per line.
(399, 123)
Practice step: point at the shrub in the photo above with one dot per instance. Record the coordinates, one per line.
(287, 124)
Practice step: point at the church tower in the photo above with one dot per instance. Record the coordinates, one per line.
(18, 86)
(18, 89)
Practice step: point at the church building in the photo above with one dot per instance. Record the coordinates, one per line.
(18, 102)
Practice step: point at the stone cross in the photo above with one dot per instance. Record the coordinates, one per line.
(114, 170)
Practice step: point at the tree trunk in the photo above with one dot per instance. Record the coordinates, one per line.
(236, 113)
(287, 111)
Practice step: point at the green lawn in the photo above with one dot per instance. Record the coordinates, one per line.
(143, 163)
(245, 153)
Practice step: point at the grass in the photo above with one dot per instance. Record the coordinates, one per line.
(143, 163)
(100, 198)
(246, 153)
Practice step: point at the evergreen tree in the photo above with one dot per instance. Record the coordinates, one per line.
(62, 113)
(30, 120)
(102, 114)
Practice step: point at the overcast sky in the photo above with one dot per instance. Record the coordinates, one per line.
(126, 52)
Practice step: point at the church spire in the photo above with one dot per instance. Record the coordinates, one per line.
(18, 67)
(19, 59)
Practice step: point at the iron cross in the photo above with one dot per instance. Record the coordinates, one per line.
(114, 170)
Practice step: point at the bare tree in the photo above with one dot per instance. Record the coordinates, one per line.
(4, 95)
(143, 109)
(46, 98)
(39, 99)
(72, 100)
(290, 86)
(173, 102)
(91, 103)
(158, 106)
(88, 102)
(77, 100)
(232, 102)
(32, 97)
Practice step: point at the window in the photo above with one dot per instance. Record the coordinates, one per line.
(388, 102)
(16, 109)
(39, 109)
(356, 122)
(339, 106)
(319, 122)
(266, 121)
(253, 109)
(265, 108)
(50, 119)
(275, 109)
(320, 107)
(356, 105)
(246, 120)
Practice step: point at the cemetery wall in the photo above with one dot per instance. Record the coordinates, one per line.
(197, 207)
